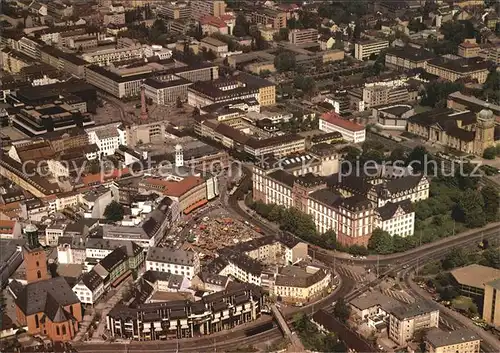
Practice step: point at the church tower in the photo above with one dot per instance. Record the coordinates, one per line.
(485, 131)
(179, 156)
(35, 260)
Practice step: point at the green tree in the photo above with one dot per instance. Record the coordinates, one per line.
(418, 159)
(436, 92)
(114, 211)
(490, 153)
(416, 25)
(470, 209)
(492, 257)
(380, 242)
(178, 102)
(491, 199)
(241, 26)
(341, 310)
(454, 258)
(491, 87)
(306, 84)
(284, 61)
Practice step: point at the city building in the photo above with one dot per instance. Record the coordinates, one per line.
(236, 87)
(393, 117)
(11, 259)
(367, 49)
(167, 89)
(211, 25)
(107, 139)
(465, 131)
(214, 45)
(455, 69)
(200, 8)
(270, 17)
(10, 229)
(352, 132)
(461, 340)
(460, 101)
(14, 61)
(89, 288)
(174, 10)
(234, 306)
(301, 36)
(294, 284)
(404, 321)
(407, 58)
(472, 279)
(491, 302)
(469, 49)
(179, 262)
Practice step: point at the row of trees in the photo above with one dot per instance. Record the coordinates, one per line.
(491, 152)
(313, 339)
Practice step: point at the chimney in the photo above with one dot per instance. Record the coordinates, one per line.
(144, 108)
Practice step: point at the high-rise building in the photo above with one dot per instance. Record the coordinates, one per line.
(200, 8)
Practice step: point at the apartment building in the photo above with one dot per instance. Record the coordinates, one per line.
(396, 218)
(14, 61)
(107, 139)
(491, 54)
(301, 36)
(352, 132)
(199, 8)
(107, 56)
(405, 321)
(368, 48)
(270, 17)
(462, 340)
(174, 10)
(491, 300)
(294, 284)
(238, 304)
(459, 101)
(89, 288)
(179, 262)
(63, 61)
(407, 58)
(454, 69)
(469, 49)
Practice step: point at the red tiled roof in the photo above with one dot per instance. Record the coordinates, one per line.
(176, 188)
(468, 45)
(7, 227)
(335, 119)
(100, 178)
(227, 17)
(213, 21)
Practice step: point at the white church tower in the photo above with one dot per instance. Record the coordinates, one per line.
(179, 156)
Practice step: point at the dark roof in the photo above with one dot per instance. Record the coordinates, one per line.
(243, 261)
(33, 297)
(356, 203)
(447, 120)
(463, 66)
(438, 338)
(283, 177)
(174, 256)
(66, 56)
(54, 311)
(296, 277)
(401, 184)
(412, 310)
(326, 196)
(411, 53)
(159, 84)
(387, 211)
(92, 280)
(113, 259)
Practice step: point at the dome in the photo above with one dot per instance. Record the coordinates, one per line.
(31, 228)
(485, 114)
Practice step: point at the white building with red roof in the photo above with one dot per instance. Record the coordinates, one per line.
(351, 131)
(211, 24)
(10, 229)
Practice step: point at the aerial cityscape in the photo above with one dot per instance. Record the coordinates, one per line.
(250, 176)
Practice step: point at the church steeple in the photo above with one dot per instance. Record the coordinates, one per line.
(35, 260)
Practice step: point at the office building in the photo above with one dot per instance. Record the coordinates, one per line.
(472, 279)
(236, 305)
(352, 132)
(179, 262)
(174, 10)
(462, 340)
(301, 36)
(407, 58)
(270, 17)
(491, 302)
(167, 89)
(454, 69)
(214, 45)
(200, 8)
(404, 321)
(368, 49)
